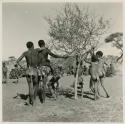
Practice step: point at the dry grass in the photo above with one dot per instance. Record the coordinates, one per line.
(64, 109)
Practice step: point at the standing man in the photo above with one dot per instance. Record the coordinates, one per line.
(31, 56)
(94, 79)
(101, 70)
(44, 62)
(16, 74)
(4, 71)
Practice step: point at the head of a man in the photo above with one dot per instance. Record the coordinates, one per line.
(4, 64)
(41, 43)
(29, 45)
(94, 58)
(99, 54)
(15, 65)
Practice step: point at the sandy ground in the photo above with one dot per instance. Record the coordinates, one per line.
(64, 109)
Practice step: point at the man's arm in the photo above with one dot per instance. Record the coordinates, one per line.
(55, 56)
(85, 58)
(105, 64)
(87, 61)
(20, 58)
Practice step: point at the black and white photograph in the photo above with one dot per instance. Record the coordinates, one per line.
(62, 61)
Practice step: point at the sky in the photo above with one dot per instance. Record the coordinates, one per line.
(24, 22)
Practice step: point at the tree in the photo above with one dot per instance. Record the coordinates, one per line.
(117, 41)
(74, 31)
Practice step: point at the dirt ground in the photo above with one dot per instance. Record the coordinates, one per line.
(64, 109)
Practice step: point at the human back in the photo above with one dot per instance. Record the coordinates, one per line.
(101, 69)
(43, 56)
(31, 58)
(94, 68)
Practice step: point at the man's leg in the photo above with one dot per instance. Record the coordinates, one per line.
(102, 84)
(31, 92)
(96, 83)
(91, 85)
(50, 87)
(56, 88)
(35, 86)
(43, 89)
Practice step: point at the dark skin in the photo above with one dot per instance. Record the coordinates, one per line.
(101, 72)
(31, 57)
(94, 80)
(43, 53)
(4, 69)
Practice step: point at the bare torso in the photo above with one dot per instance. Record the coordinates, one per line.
(101, 70)
(31, 58)
(94, 70)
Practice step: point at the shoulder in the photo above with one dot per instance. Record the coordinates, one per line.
(37, 49)
(25, 53)
(47, 50)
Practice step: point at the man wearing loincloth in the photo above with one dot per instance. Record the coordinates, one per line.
(101, 70)
(44, 62)
(93, 70)
(31, 56)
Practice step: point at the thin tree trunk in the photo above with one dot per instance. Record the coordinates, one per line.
(76, 81)
(120, 57)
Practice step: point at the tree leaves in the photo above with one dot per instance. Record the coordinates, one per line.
(76, 29)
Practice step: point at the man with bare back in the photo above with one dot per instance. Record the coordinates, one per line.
(44, 63)
(97, 73)
(94, 79)
(101, 70)
(31, 56)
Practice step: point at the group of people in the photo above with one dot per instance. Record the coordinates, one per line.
(38, 68)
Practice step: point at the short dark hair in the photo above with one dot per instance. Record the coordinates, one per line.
(99, 53)
(94, 58)
(15, 65)
(41, 43)
(29, 44)
(4, 63)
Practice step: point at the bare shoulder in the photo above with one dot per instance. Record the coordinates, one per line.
(24, 53)
(37, 49)
(46, 49)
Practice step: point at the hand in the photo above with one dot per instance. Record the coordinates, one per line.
(65, 56)
(93, 48)
(16, 65)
